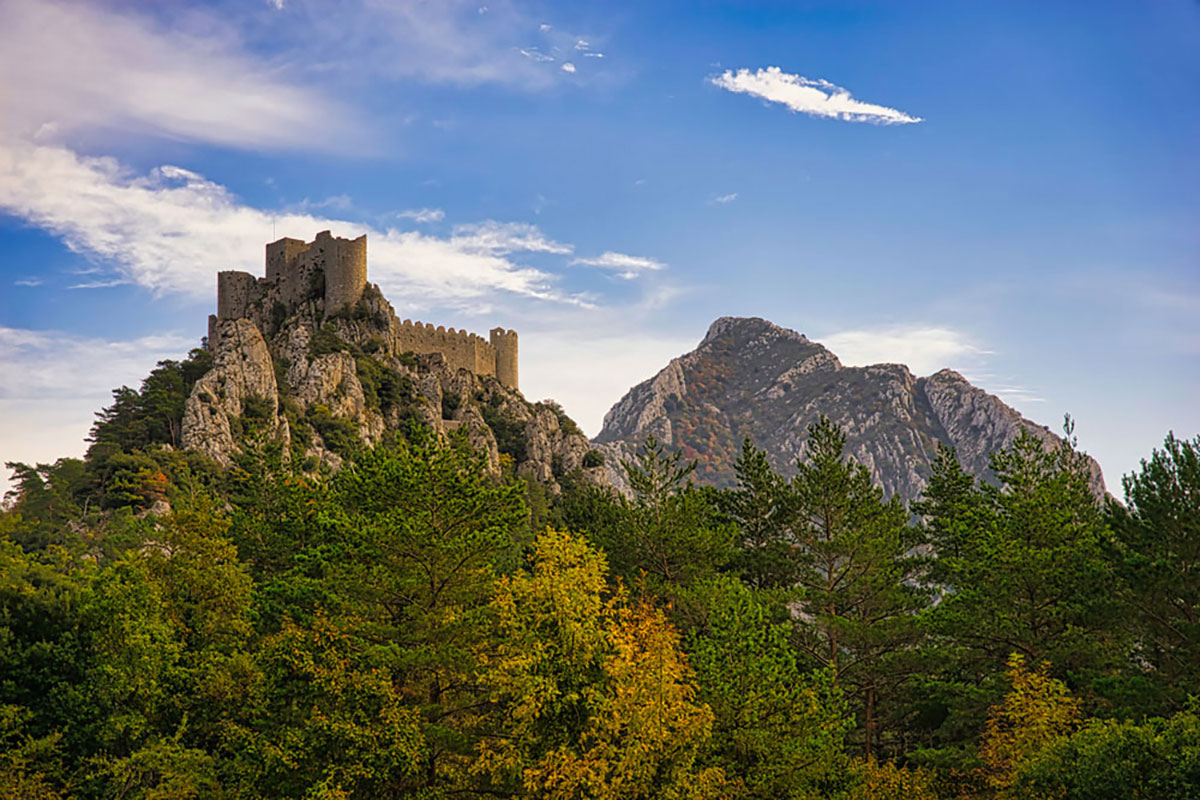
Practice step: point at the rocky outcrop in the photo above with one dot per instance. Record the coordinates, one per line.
(317, 385)
(242, 378)
(751, 378)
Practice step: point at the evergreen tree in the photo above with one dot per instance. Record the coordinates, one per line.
(670, 532)
(1158, 548)
(766, 519)
(858, 576)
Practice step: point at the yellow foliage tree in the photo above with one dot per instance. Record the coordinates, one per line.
(1036, 711)
(886, 781)
(596, 695)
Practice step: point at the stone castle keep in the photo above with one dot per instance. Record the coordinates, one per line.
(333, 271)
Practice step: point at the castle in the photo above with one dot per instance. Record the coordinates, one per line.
(334, 270)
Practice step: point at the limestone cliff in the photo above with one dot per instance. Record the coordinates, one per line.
(319, 384)
(749, 377)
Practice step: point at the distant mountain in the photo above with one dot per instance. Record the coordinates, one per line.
(749, 377)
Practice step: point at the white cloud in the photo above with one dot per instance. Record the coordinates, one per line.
(68, 68)
(818, 98)
(626, 266)
(99, 284)
(533, 54)
(924, 350)
(172, 230)
(725, 199)
(568, 67)
(27, 282)
(422, 215)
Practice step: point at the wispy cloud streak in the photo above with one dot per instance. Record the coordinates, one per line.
(817, 98)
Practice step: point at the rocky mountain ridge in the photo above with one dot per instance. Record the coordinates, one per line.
(751, 378)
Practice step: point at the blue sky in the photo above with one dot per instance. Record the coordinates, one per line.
(1008, 189)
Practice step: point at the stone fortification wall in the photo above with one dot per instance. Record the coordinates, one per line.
(295, 269)
(345, 270)
(504, 344)
(291, 277)
(291, 264)
(236, 293)
(461, 349)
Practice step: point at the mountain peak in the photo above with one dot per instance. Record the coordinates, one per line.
(748, 327)
(750, 378)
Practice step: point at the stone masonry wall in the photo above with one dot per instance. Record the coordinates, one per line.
(345, 272)
(462, 350)
(504, 343)
(236, 292)
(292, 267)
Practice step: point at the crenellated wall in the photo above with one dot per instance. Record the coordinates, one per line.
(294, 271)
(461, 349)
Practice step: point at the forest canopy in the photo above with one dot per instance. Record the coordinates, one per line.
(414, 625)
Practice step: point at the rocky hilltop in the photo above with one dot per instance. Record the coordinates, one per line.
(751, 378)
(290, 367)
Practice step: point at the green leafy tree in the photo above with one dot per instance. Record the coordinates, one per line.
(414, 534)
(329, 722)
(1158, 759)
(1024, 567)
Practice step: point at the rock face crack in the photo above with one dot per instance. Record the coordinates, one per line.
(751, 378)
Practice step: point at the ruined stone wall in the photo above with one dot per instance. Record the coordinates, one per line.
(236, 291)
(345, 271)
(504, 344)
(295, 268)
(291, 278)
(462, 350)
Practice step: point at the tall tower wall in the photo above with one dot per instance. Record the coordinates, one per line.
(505, 344)
(235, 292)
(281, 255)
(345, 270)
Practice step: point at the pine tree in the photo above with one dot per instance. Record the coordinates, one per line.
(858, 575)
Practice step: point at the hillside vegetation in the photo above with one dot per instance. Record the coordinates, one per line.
(430, 620)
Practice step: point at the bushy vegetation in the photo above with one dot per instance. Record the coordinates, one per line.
(411, 626)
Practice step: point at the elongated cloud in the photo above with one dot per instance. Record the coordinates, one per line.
(817, 98)
(171, 230)
(623, 264)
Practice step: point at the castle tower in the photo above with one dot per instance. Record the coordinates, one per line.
(505, 344)
(345, 270)
(235, 292)
(281, 257)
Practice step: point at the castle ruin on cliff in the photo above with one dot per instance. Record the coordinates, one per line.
(331, 273)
